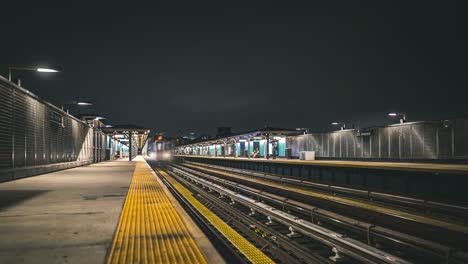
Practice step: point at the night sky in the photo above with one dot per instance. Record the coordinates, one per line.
(179, 67)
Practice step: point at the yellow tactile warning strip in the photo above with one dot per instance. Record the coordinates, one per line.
(150, 230)
(246, 248)
(368, 206)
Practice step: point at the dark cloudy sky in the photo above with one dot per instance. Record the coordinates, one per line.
(174, 66)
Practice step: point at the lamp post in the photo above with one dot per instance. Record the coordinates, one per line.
(36, 69)
(341, 124)
(78, 103)
(402, 116)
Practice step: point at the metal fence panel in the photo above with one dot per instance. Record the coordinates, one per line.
(430, 141)
(30, 137)
(460, 138)
(6, 119)
(405, 142)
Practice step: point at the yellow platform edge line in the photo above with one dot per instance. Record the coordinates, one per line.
(360, 204)
(149, 229)
(252, 253)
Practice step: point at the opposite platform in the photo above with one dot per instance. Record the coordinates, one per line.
(380, 165)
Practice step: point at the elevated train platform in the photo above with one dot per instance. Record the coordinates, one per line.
(148, 211)
(110, 212)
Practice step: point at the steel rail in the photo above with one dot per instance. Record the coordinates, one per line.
(346, 245)
(369, 231)
(278, 240)
(400, 200)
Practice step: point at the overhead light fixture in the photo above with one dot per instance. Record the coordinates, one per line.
(83, 103)
(397, 114)
(36, 69)
(341, 124)
(46, 70)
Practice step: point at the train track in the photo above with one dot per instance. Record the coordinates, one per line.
(456, 211)
(259, 233)
(369, 233)
(433, 229)
(261, 216)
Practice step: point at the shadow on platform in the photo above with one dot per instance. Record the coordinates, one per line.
(9, 198)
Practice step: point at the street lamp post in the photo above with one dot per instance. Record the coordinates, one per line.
(402, 116)
(36, 69)
(78, 103)
(341, 124)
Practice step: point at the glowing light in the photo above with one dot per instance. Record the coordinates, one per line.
(166, 155)
(46, 70)
(392, 114)
(84, 103)
(335, 123)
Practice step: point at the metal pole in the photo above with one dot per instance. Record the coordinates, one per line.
(267, 146)
(248, 147)
(235, 148)
(225, 148)
(130, 147)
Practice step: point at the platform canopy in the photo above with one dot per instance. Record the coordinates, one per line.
(123, 132)
(252, 134)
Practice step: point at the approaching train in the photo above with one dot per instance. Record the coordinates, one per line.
(161, 147)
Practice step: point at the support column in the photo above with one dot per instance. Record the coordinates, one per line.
(225, 148)
(130, 146)
(267, 147)
(216, 150)
(235, 148)
(248, 147)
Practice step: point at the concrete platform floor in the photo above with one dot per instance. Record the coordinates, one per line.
(71, 216)
(68, 216)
